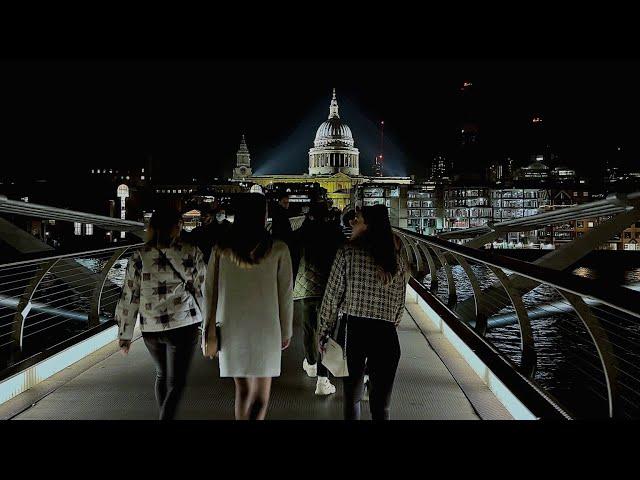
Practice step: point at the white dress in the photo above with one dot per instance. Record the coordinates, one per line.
(254, 312)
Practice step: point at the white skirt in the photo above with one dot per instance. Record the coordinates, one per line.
(250, 348)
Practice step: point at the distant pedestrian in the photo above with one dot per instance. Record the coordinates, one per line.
(367, 283)
(319, 239)
(347, 220)
(249, 297)
(164, 285)
(281, 229)
(214, 226)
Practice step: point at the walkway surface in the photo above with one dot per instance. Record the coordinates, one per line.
(118, 387)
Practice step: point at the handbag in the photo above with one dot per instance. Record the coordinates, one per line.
(334, 356)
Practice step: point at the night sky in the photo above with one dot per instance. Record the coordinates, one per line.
(190, 115)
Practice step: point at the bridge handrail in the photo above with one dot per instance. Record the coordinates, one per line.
(56, 213)
(539, 402)
(68, 255)
(614, 296)
(616, 359)
(60, 288)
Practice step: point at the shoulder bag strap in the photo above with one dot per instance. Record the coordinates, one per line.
(187, 286)
(216, 280)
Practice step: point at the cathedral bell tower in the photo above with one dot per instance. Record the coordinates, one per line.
(243, 162)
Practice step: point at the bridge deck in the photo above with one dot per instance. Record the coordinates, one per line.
(118, 387)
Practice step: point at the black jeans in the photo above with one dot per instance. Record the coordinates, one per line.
(374, 345)
(310, 322)
(171, 351)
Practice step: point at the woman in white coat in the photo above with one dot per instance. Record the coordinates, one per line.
(249, 297)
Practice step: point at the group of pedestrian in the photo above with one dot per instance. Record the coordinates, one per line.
(189, 287)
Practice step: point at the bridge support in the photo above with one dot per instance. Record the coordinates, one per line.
(94, 308)
(24, 304)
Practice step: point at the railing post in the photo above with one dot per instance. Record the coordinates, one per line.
(603, 346)
(24, 304)
(94, 306)
(453, 296)
(416, 251)
(480, 314)
(408, 251)
(527, 345)
(433, 271)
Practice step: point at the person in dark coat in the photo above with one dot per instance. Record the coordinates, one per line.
(214, 226)
(347, 220)
(281, 229)
(319, 239)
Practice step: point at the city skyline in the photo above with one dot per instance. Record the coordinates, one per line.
(98, 113)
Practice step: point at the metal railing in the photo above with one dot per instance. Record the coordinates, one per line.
(559, 322)
(35, 210)
(47, 301)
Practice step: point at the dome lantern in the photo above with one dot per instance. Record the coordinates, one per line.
(333, 108)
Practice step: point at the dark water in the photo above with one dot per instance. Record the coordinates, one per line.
(568, 365)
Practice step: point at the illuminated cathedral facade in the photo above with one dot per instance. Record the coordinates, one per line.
(334, 162)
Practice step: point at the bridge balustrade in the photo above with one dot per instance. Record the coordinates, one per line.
(576, 338)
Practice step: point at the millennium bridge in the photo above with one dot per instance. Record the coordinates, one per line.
(483, 336)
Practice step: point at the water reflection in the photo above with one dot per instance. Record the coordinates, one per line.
(568, 365)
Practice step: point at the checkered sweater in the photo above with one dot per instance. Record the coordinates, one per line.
(354, 288)
(154, 290)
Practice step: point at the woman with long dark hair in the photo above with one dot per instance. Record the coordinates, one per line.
(249, 297)
(367, 284)
(164, 284)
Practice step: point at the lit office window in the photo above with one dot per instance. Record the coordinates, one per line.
(88, 229)
(141, 177)
(590, 224)
(77, 228)
(123, 234)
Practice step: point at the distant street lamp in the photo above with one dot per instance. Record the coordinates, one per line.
(123, 193)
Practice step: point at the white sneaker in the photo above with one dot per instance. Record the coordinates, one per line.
(365, 393)
(312, 370)
(324, 386)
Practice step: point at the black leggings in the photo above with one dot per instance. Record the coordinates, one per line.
(310, 321)
(171, 351)
(374, 345)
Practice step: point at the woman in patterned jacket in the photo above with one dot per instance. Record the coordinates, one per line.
(164, 284)
(367, 283)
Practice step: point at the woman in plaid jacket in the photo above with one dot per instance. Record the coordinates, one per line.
(367, 283)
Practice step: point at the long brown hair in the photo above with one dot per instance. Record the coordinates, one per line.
(248, 242)
(378, 240)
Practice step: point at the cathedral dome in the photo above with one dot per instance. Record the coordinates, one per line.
(333, 131)
(333, 148)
